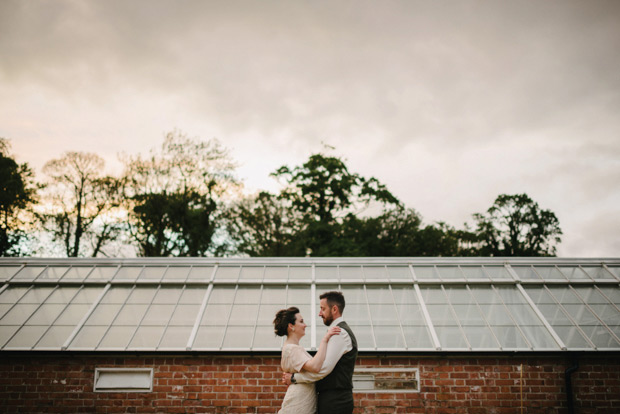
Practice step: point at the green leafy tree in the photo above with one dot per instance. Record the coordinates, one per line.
(175, 197)
(516, 226)
(81, 205)
(17, 195)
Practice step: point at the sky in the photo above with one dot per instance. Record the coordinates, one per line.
(448, 103)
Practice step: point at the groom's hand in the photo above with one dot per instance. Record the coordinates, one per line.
(286, 378)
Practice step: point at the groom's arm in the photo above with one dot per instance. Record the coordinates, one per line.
(337, 346)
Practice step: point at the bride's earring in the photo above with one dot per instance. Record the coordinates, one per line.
(293, 329)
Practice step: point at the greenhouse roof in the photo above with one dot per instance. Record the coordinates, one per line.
(392, 304)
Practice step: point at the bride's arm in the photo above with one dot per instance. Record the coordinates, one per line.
(314, 364)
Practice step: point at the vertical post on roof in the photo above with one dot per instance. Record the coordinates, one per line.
(203, 306)
(313, 309)
(541, 317)
(427, 317)
(85, 318)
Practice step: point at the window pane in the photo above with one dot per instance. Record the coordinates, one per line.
(88, 337)
(102, 273)
(417, 337)
(383, 314)
(377, 294)
(353, 294)
(326, 273)
(55, 337)
(193, 295)
(238, 337)
(600, 336)
(450, 337)
(216, 314)
(185, 315)
(274, 295)
(298, 295)
(227, 273)
(449, 272)
(152, 273)
(265, 338)
(399, 273)
(510, 337)
(404, 295)
(469, 315)
(36, 295)
(480, 337)
(433, 295)
(176, 273)
(411, 315)
(209, 337)
(363, 334)
(73, 314)
(117, 337)
(158, 315)
(571, 337)
(252, 272)
(46, 314)
(389, 336)
(128, 273)
(441, 315)
(425, 272)
(474, 272)
(7, 271)
(116, 295)
(524, 315)
(168, 295)
(279, 272)
(496, 314)
(351, 272)
(243, 315)
(131, 315)
(539, 337)
(142, 295)
(29, 273)
(176, 337)
(12, 294)
(26, 337)
(300, 273)
(62, 295)
(6, 331)
(597, 272)
(525, 272)
(549, 272)
(87, 295)
(200, 273)
(147, 337)
(18, 315)
(459, 295)
(375, 272)
(53, 273)
(103, 314)
(247, 295)
(357, 314)
(267, 314)
(497, 272)
(77, 273)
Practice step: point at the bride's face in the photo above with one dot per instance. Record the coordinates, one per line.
(300, 325)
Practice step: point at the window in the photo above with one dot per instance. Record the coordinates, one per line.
(123, 380)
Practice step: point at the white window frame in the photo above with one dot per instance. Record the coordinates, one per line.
(124, 372)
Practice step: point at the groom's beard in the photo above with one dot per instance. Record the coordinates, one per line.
(327, 320)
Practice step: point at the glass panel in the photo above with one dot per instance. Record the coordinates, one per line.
(383, 315)
(581, 314)
(411, 315)
(72, 315)
(267, 313)
(117, 337)
(7, 271)
(350, 272)
(176, 273)
(363, 334)
(600, 336)
(103, 314)
(55, 337)
(209, 337)
(77, 273)
(131, 315)
(53, 273)
(216, 314)
(45, 315)
(142, 295)
(279, 272)
(459, 295)
(168, 295)
(564, 295)
(19, 314)
(473, 272)
(88, 337)
(375, 272)
(201, 273)
(597, 272)
(252, 272)
(525, 272)
(152, 273)
(389, 337)
(87, 295)
(379, 294)
(480, 337)
(417, 337)
(590, 295)
(511, 295)
(404, 295)
(510, 337)
(469, 315)
(158, 315)
(6, 331)
(62, 295)
(496, 315)
(247, 294)
(549, 272)
(227, 273)
(571, 337)
(265, 338)
(300, 273)
(29, 273)
(607, 313)
(497, 272)
(238, 337)
(128, 273)
(176, 337)
(612, 293)
(26, 337)
(326, 273)
(539, 337)
(425, 272)
(185, 315)
(116, 295)
(450, 272)
(450, 337)
(441, 315)
(433, 295)
(193, 295)
(12, 294)
(524, 315)
(554, 315)
(147, 337)
(573, 273)
(615, 270)
(4, 308)
(102, 273)
(36, 295)
(221, 294)
(243, 315)
(399, 273)
(274, 295)
(297, 296)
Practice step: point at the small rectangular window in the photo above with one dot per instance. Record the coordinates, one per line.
(386, 380)
(123, 380)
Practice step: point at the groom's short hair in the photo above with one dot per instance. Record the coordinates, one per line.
(334, 298)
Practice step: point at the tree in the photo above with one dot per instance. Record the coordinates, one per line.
(17, 195)
(81, 205)
(175, 196)
(516, 226)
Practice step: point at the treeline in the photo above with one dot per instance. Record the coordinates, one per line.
(182, 199)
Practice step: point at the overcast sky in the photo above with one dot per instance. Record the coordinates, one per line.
(447, 103)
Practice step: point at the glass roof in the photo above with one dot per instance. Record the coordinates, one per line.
(405, 304)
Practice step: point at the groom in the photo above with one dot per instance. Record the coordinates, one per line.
(334, 385)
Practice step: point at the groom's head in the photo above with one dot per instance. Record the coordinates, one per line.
(332, 306)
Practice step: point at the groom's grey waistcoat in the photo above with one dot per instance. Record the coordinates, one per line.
(341, 378)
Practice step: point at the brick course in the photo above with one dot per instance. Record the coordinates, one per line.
(63, 383)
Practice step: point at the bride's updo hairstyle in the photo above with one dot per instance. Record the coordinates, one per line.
(283, 318)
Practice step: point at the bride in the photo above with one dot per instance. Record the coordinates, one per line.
(299, 398)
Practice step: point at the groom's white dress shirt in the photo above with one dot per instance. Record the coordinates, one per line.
(337, 346)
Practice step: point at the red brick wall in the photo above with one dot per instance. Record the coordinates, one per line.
(60, 383)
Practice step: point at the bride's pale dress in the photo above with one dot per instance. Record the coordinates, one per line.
(299, 398)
